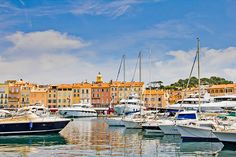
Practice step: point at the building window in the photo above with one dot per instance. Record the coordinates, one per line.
(74, 90)
(87, 91)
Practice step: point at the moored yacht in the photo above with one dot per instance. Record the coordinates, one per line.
(208, 104)
(115, 121)
(168, 126)
(134, 122)
(201, 130)
(130, 105)
(30, 123)
(78, 110)
(226, 129)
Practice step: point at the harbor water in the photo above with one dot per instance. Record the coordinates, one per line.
(92, 137)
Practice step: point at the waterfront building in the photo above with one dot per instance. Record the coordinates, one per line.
(154, 98)
(85, 92)
(4, 91)
(25, 91)
(38, 95)
(14, 94)
(121, 90)
(52, 96)
(64, 95)
(223, 89)
(100, 93)
(81, 93)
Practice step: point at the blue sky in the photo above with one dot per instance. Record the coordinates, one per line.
(56, 41)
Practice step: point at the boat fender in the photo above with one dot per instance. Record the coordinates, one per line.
(30, 125)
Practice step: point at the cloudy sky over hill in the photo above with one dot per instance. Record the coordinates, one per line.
(67, 41)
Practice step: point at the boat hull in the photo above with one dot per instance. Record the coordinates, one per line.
(116, 122)
(29, 128)
(76, 114)
(127, 110)
(152, 128)
(190, 133)
(132, 124)
(228, 138)
(169, 129)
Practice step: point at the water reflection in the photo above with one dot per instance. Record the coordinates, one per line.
(23, 145)
(92, 137)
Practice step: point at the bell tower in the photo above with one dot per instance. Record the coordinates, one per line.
(99, 78)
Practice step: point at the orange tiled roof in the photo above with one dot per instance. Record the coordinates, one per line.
(127, 84)
(81, 85)
(100, 85)
(64, 86)
(223, 86)
(153, 92)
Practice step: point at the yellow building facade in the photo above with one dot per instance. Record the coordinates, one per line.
(38, 95)
(52, 96)
(154, 98)
(64, 95)
(25, 91)
(4, 91)
(223, 89)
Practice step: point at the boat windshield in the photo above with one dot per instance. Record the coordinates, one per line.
(224, 99)
(186, 116)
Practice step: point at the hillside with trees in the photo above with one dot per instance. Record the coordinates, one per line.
(182, 83)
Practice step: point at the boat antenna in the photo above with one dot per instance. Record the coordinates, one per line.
(199, 79)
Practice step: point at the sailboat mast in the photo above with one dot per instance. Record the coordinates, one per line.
(140, 60)
(199, 79)
(124, 66)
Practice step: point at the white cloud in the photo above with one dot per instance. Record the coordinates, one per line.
(219, 62)
(62, 59)
(34, 43)
(113, 9)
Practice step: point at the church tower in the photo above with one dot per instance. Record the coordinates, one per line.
(99, 78)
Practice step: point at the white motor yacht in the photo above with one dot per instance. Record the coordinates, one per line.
(214, 104)
(78, 110)
(130, 105)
